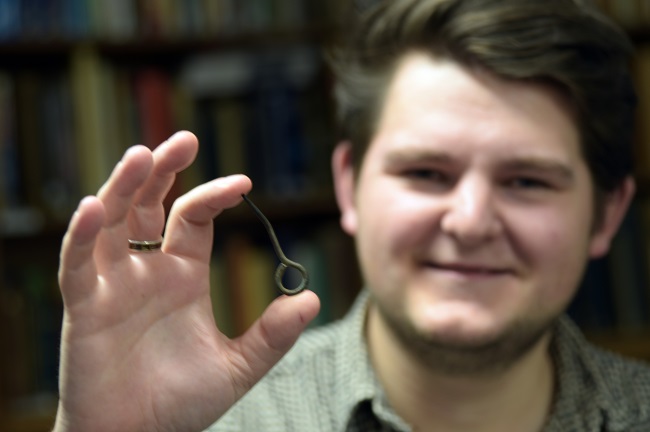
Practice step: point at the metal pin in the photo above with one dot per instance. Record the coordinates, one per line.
(284, 261)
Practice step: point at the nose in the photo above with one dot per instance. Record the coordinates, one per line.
(470, 215)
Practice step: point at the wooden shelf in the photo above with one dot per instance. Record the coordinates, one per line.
(167, 44)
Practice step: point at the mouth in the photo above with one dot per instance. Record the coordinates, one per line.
(470, 270)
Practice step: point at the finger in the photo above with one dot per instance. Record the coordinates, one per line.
(272, 335)
(147, 217)
(77, 271)
(117, 196)
(190, 227)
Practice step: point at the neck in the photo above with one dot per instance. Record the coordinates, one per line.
(517, 398)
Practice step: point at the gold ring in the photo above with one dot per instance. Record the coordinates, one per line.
(145, 245)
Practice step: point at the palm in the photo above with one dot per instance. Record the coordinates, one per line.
(140, 348)
(151, 337)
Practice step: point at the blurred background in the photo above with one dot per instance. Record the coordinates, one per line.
(81, 80)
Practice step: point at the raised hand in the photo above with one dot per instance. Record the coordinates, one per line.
(140, 348)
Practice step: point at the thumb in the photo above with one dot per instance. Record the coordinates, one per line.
(272, 335)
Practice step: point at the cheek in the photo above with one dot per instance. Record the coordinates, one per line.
(555, 246)
(394, 219)
(392, 224)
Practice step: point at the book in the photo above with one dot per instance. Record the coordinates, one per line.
(641, 74)
(278, 139)
(59, 164)
(289, 14)
(217, 85)
(153, 90)
(344, 276)
(626, 12)
(643, 237)
(74, 16)
(311, 255)
(11, 188)
(94, 135)
(185, 115)
(115, 20)
(10, 19)
(206, 160)
(628, 260)
(39, 19)
(32, 336)
(17, 371)
(30, 135)
(220, 297)
(229, 124)
(250, 274)
(592, 307)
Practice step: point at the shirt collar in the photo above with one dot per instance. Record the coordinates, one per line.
(357, 382)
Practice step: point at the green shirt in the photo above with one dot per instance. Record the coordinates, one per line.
(326, 383)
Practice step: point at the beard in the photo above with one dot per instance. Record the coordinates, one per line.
(444, 355)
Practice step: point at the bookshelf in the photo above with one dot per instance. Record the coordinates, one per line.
(81, 80)
(78, 83)
(613, 306)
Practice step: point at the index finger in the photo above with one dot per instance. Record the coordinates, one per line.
(190, 228)
(77, 270)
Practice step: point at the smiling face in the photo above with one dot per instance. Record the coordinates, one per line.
(472, 209)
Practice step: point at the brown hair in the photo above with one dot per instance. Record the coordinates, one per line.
(567, 43)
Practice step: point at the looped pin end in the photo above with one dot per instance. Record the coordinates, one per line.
(284, 261)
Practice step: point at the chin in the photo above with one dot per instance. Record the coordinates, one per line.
(465, 340)
(453, 334)
(458, 323)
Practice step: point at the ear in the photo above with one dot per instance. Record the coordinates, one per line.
(344, 186)
(614, 209)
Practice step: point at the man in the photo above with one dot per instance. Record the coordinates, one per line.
(486, 157)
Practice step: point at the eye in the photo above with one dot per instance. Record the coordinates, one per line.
(528, 183)
(426, 174)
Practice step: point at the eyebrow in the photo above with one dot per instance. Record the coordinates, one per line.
(529, 164)
(543, 166)
(402, 157)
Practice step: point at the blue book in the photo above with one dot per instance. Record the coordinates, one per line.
(10, 19)
(75, 19)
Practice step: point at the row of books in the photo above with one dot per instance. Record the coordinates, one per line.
(127, 19)
(36, 147)
(634, 16)
(265, 114)
(641, 65)
(615, 291)
(30, 317)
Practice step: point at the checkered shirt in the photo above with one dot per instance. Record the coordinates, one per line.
(326, 383)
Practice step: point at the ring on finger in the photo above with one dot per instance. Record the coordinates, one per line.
(145, 245)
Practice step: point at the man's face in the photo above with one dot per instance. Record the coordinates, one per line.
(473, 207)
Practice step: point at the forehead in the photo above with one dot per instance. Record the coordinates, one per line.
(437, 102)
